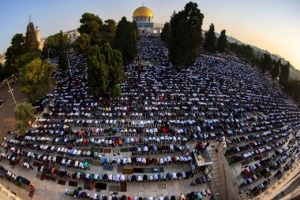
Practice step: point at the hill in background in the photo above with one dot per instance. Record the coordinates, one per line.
(294, 73)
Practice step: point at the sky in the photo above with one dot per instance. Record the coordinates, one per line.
(272, 25)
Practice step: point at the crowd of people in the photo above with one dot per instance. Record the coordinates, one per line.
(162, 110)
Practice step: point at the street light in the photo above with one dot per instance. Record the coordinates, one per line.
(69, 62)
(11, 91)
(295, 90)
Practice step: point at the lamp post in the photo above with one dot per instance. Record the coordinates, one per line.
(11, 91)
(295, 90)
(69, 62)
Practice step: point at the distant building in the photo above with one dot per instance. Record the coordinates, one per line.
(38, 38)
(143, 16)
(73, 35)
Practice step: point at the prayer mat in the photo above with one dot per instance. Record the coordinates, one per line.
(279, 176)
(124, 150)
(108, 168)
(36, 164)
(161, 186)
(92, 185)
(90, 161)
(101, 186)
(116, 151)
(161, 169)
(267, 175)
(255, 194)
(127, 171)
(12, 163)
(61, 182)
(86, 184)
(123, 186)
(137, 170)
(106, 150)
(96, 163)
(99, 150)
(38, 175)
(114, 188)
(148, 170)
(50, 178)
(119, 168)
(73, 183)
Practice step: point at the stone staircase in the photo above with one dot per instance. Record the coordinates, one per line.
(218, 184)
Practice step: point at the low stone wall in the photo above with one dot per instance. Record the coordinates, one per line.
(283, 186)
(8, 193)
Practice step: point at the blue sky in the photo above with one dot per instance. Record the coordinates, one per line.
(272, 25)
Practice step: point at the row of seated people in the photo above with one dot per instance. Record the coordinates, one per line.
(106, 141)
(254, 172)
(21, 179)
(140, 150)
(271, 141)
(259, 151)
(104, 160)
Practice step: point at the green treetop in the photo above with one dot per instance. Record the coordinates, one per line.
(105, 71)
(125, 41)
(165, 33)
(222, 42)
(31, 44)
(24, 112)
(36, 79)
(210, 39)
(186, 36)
(62, 52)
(91, 25)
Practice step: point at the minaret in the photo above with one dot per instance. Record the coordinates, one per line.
(38, 37)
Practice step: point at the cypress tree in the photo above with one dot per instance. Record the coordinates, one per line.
(222, 42)
(165, 33)
(31, 44)
(62, 52)
(125, 41)
(186, 36)
(210, 39)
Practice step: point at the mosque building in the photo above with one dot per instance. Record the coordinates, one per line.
(143, 16)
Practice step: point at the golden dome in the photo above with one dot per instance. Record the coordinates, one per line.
(142, 12)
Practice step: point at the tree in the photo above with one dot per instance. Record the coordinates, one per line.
(166, 33)
(125, 41)
(136, 30)
(186, 36)
(284, 75)
(97, 72)
(31, 44)
(2, 73)
(92, 25)
(62, 53)
(105, 71)
(210, 39)
(36, 79)
(244, 52)
(24, 113)
(50, 47)
(14, 52)
(276, 68)
(27, 58)
(222, 42)
(82, 44)
(266, 63)
(109, 31)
